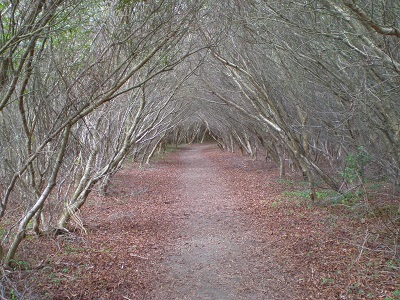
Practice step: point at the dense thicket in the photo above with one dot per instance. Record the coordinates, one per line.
(321, 81)
(86, 84)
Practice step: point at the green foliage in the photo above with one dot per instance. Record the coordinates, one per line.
(325, 196)
(305, 194)
(394, 264)
(19, 264)
(290, 183)
(349, 198)
(326, 281)
(54, 278)
(170, 148)
(395, 295)
(70, 249)
(296, 194)
(13, 295)
(127, 3)
(300, 198)
(76, 30)
(386, 212)
(275, 204)
(3, 232)
(355, 164)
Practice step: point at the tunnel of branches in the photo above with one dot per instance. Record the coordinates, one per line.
(87, 86)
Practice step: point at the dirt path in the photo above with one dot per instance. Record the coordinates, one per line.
(217, 256)
(205, 224)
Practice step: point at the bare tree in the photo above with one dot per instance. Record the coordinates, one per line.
(120, 50)
(314, 76)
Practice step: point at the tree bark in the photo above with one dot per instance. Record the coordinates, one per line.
(39, 203)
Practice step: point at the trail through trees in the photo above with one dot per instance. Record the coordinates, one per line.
(201, 223)
(217, 255)
(87, 85)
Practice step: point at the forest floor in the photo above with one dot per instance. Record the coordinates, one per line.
(205, 224)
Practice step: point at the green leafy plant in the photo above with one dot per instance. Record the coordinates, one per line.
(70, 249)
(20, 264)
(349, 198)
(3, 233)
(122, 4)
(54, 278)
(296, 194)
(395, 295)
(326, 281)
(355, 165)
(394, 264)
(275, 204)
(13, 295)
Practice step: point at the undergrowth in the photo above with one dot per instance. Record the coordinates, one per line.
(368, 215)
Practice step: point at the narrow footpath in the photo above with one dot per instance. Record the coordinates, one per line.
(202, 224)
(217, 255)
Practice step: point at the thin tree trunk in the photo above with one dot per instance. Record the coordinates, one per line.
(282, 169)
(39, 203)
(72, 208)
(150, 156)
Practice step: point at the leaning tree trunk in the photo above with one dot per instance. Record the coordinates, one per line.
(38, 219)
(282, 169)
(84, 184)
(71, 209)
(20, 235)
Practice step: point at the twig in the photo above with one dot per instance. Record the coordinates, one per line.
(138, 256)
(395, 243)
(363, 244)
